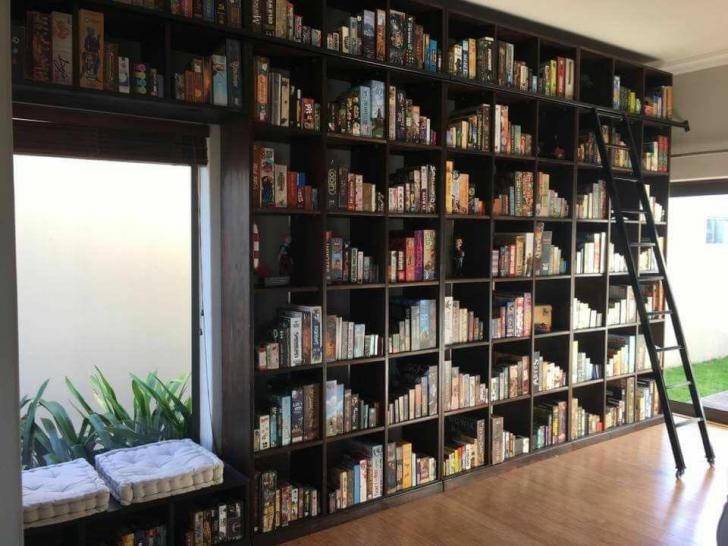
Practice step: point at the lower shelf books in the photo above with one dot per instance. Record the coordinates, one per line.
(582, 368)
(347, 264)
(465, 445)
(347, 411)
(461, 325)
(295, 339)
(462, 390)
(510, 377)
(590, 253)
(582, 422)
(358, 477)
(515, 197)
(622, 306)
(547, 201)
(412, 255)
(592, 201)
(620, 403)
(413, 190)
(511, 315)
(546, 375)
(549, 420)
(279, 502)
(293, 416)
(217, 525)
(158, 533)
(346, 340)
(647, 404)
(413, 324)
(347, 190)
(406, 469)
(414, 393)
(583, 316)
(276, 186)
(505, 444)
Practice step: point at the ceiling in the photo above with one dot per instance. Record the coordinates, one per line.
(680, 36)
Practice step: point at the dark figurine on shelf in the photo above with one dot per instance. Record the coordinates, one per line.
(458, 255)
(285, 261)
(558, 151)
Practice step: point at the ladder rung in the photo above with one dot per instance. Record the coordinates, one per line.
(688, 421)
(678, 385)
(632, 211)
(650, 278)
(617, 146)
(659, 313)
(609, 114)
(670, 348)
(642, 244)
(621, 178)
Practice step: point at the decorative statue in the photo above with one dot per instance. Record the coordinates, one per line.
(458, 255)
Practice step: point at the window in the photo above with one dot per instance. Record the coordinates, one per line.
(715, 231)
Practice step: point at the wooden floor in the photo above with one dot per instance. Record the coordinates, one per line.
(622, 491)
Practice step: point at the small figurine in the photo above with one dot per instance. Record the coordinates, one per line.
(458, 256)
(285, 260)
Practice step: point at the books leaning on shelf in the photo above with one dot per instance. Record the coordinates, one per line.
(469, 129)
(625, 354)
(275, 186)
(472, 59)
(547, 201)
(658, 102)
(511, 315)
(622, 307)
(460, 194)
(413, 190)
(413, 325)
(412, 255)
(584, 316)
(505, 444)
(277, 18)
(556, 77)
(410, 45)
(547, 259)
(406, 468)
(462, 390)
(582, 368)
(406, 121)
(295, 339)
(592, 201)
(226, 13)
(546, 375)
(658, 211)
(514, 73)
(361, 35)
(582, 422)
(414, 393)
(346, 190)
(465, 444)
(279, 102)
(515, 197)
(549, 420)
(292, 417)
(358, 477)
(347, 411)
(590, 253)
(208, 80)
(346, 340)
(620, 403)
(225, 521)
(280, 503)
(647, 403)
(359, 111)
(461, 325)
(656, 155)
(510, 376)
(508, 138)
(346, 264)
(624, 98)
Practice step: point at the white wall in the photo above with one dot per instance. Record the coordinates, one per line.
(103, 271)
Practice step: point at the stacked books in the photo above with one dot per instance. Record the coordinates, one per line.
(508, 137)
(622, 305)
(406, 468)
(460, 194)
(347, 411)
(547, 201)
(511, 315)
(292, 417)
(583, 316)
(658, 102)
(556, 77)
(546, 375)
(280, 503)
(413, 325)
(469, 129)
(406, 121)
(410, 45)
(656, 155)
(279, 102)
(346, 340)
(472, 59)
(359, 111)
(412, 255)
(514, 73)
(624, 98)
(413, 393)
(347, 264)
(222, 523)
(461, 325)
(462, 390)
(550, 423)
(277, 18)
(510, 377)
(277, 186)
(346, 190)
(592, 201)
(515, 197)
(582, 368)
(582, 422)
(465, 444)
(296, 339)
(362, 35)
(505, 444)
(413, 190)
(358, 477)
(590, 253)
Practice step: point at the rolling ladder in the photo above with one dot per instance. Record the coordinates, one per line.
(616, 184)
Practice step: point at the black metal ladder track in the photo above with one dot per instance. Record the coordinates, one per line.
(613, 182)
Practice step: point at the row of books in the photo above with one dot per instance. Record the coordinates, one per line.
(550, 423)
(620, 403)
(413, 325)
(557, 77)
(547, 202)
(472, 59)
(647, 401)
(358, 477)
(465, 445)
(617, 263)
(510, 377)
(658, 211)
(653, 294)
(625, 354)
(362, 35)
(279, 102)
(216, 79)
(406, 121)
(582, 422)
(295, 339)
(461, 325)
(413, 190)
(359, 111)
(347, 411)
(516, 197)
(592, 201)
(469, 129)
(512, 72)
(524, 254)
(417, 388)
(412, 255)
(277, 186)
(292, 417)
(546, 375)
(410, 45)
(277, 18)
(542, 318)
(279, 502)
(624, 98)
(511, 315)
(347, 264)
(347, 190)
(509, 138)
(622, 306)
(647, 259)
(505, 444)
(587, 150)
(217, 525)
(347, 340)
(460, 195)
(590, 253)
(406, 468)
(462, 390)
(658, 102)
(656, 155)
(226, 13)
(582, 368)
(42, 49)
(583, 316)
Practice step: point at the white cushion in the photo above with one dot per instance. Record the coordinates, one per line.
(161, 469)
(62, 492)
